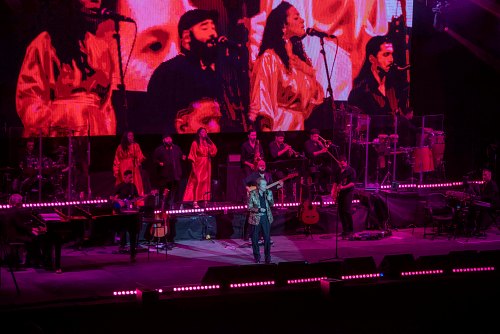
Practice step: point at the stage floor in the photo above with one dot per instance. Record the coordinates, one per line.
(94, 273)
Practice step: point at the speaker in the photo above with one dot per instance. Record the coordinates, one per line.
(292, 270)
(359, 266)
(227, 275)
(490, 258)
(433, 262)
(393, 265)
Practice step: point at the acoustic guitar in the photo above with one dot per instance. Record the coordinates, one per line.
(290, 176)
(159, 230)
(309, 214)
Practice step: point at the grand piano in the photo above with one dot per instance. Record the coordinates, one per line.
(85, 223)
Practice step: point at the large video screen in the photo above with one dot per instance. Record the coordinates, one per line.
(131, 73)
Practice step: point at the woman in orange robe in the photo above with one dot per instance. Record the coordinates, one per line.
(65, 82)
(128, 156)
(202, 150)
(284, 88)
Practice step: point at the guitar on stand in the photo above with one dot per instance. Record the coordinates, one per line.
(308, 215)
(159, 229)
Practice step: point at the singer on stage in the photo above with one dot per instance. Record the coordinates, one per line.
(284, 88)
(260, 202)
(202, 150)
(186, 92)
(64, 86)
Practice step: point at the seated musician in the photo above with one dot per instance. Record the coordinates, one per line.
(125, 196)
(320, 169)
(480, 217)
(16, 228)
(281, 153)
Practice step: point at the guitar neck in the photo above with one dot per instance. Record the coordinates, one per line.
(277, 182)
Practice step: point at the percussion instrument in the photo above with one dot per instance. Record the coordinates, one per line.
(423, 161)
(427, 137)
(437, 147)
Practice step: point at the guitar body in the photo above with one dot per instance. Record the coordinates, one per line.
(309, 214)
(335, 192)
(159, 230)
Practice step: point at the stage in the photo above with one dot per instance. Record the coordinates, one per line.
(91, 275)
(103, 290)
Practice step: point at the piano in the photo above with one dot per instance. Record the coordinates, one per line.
(466, 199)
(59, 228)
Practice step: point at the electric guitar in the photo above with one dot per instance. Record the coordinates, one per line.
(335, 192)
(290, 176)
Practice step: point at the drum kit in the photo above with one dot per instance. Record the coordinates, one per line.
(43, 177)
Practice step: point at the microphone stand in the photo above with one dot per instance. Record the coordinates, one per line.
(121, 86)
(329, 88)
(89, 191)
(39, 167)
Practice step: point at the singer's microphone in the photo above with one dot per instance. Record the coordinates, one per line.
(224, 41)
(317, 33)
(401, 68)
(105, 13)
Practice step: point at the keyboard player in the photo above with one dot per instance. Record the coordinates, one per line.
(480, 217)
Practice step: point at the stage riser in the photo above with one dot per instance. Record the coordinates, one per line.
(403, 211)
(232, 226)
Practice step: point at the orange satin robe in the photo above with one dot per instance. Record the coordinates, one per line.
(198, 187)
(285, 98)
(55, 105)
(130, 159)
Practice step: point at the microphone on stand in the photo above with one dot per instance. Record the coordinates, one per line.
(224, 41)
(105, 14)
(400, 68)
(320, 34)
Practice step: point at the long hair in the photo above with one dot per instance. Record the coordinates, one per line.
(67, 26)
(371, 49)
(198, 137)
(125, 144)
(273, 35)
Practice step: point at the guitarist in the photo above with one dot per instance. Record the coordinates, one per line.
(342, 193)
(262, 172)
(125, 195)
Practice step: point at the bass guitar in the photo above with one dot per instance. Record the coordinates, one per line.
(290, 176)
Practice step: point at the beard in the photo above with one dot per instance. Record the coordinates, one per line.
(201, 50)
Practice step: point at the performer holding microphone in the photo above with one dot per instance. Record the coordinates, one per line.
(260, 219)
